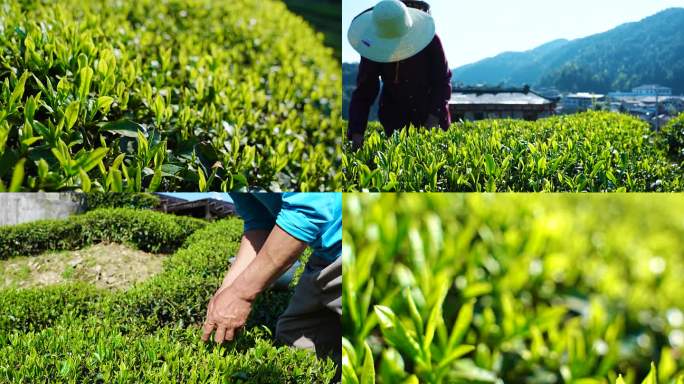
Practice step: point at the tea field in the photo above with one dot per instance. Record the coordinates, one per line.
(325, 16)
(511, 288)
(150, 332)
(592, 151)
(166, 95)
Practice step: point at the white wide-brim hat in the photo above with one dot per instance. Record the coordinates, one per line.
(391, 32)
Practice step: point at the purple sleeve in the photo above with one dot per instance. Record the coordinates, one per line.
(367, 87)
(441, 83)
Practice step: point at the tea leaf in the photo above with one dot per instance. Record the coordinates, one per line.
(368, 369)
(17, 176)
(71, 114)
(18, 91)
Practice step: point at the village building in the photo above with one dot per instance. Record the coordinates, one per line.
(652, 90)
(579, 102)
(643, 91)
(471, 104)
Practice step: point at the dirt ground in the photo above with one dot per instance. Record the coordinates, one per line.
(112, 266)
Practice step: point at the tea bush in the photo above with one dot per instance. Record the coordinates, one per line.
(147, 230)
(673, 135)
(150, 332)
(512, 288)
(165, 95)
(592, 151)
(96, 200)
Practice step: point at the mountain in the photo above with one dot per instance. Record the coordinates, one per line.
(509, 67)
(650, 51)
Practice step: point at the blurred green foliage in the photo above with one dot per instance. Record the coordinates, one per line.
(325, 16)
(587, 152)
(512, 288)
(165, 95)
(150, 332)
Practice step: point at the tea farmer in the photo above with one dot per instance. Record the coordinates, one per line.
(277, 229)
(398, 44)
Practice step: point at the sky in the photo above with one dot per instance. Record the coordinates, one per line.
(472, 30)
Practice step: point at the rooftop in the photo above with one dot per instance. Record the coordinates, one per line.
(585, 95)
(497, 96)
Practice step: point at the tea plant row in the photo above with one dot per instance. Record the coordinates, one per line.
(150, 332)
(593, 151)
(179, 95)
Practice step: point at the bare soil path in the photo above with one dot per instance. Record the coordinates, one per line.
(111, 266)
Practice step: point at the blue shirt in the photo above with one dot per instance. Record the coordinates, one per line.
(314, 218)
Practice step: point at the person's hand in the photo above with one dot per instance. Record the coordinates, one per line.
(357, 141)
(432, 122)
(227, 313)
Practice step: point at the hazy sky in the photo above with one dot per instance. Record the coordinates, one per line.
(472, 30)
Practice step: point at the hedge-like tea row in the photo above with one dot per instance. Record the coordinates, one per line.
(93, 351)
(149, 333)
(512, 288)
(592, 151)
(97, 200)
(147, 230)
(165, 95)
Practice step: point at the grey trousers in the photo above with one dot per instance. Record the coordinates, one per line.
(313, 318)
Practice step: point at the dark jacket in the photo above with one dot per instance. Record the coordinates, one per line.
(412, 89)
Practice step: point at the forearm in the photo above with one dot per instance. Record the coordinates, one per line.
(278, 253)
(251, 243)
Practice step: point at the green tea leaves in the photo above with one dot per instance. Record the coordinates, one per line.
(462, 323)
(587, 152)
(17, 177)
(71, 114)
(85, 77)
(93, 75)
(368, 368)
(514, 288)
(18, 91)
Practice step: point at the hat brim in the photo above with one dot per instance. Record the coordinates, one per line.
(364, 38)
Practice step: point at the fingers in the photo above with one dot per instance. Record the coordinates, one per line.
(220, 334)
(223, 333)
(230, 334)
(207, 329)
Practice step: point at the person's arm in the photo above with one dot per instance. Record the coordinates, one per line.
(250, 245)
(229, 309)
(363, 97)
(440, 87)
(258, 223)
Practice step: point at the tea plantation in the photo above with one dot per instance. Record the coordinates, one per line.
(513, 288)
(75, 333)
(592, 151)
(165, 95)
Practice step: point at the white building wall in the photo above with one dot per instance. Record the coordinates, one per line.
(16, 208)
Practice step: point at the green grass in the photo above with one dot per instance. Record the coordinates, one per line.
(512, 288)
(592, 151)
(151, 331)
